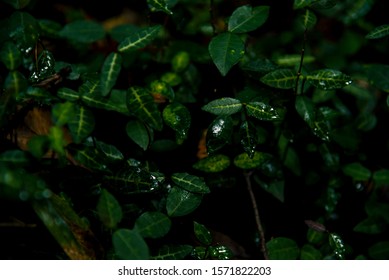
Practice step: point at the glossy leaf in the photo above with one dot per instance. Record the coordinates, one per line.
(129, 245)
(89, 90)
(15, 83)
(133, 180)
(299, 4)
(202, 233)
(109, 210)
(305, 108)
(308, 19)
(178, 117)
(337, 245)
(10, 56)
(62, 113)
(378, 75)
(81, 124)
(190, 183)
(68, 94)
(141, 104)
(139, 39)
(159, 5)
(152, 224)
(248, 138)
(289, 155)
(173, 252)
(323, 4)
(17, 4)
(220, 252)
(181, 202)
(223, 106)
(110, 152)
(378, 32)
(243, 161)
(246, 18)
(90, 157)
(24, 30)
(226, 50)
(213, 163)
(328, 79)
(110, 72)
(262, 111)
(83, 31)
(282, 248)
(379, 251)
(280, 78)
(44, 67)
(371, 225)
(357, 171)
(219, 133)
(308, 252)
(139, 134)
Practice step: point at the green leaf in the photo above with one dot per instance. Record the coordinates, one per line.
(62, 113)
(141, 104)
(24, 30)
(357, 171)
(223, 106)
(378, 75)
(173, 252)
(89, 157)
(159, 5)
(139, 39)
(90, 90)
(299, 4)
(129, 245)
(323, 4)
(213, 163)
(337, 245)
(110, 72)
(14, 157)
(139, 134)
(190, 183)
(293, 59)
(83, 31)
(220, 252)
(38, 145)
(81, 124)
(180, 202)
(276, 189)
(280, 78)
(248, 137)
(111, 152)
(11, 56)
(226, 50)
(57, 140)
(17, 4)
(308, 19)
(378, 32)
(381, 177)
(219, 133)
(305, 108)
(371, 225)
(282, 248)
(315, 237)
(308, 252)
(328, 79)
(262, 111)
(243, 161)
(152, 224)
(178, 117)
(68, 94)
(202, 233)
(379, 251)
(245, 18)
(45, 67)
(15, 83)
(109, 210)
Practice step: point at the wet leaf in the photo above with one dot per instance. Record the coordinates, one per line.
(246, 18)
(109, 210)
(68, 94)
(83, 31)
(299, 4)
(190, 183)
(337, 245)
(110, 72)
(378, 32)
(219, 133)
(328, 79)
(178, 117)
(213, 163)
(223, 106)
(180, 202)
(24, 30)
(81, 124)
(220, 252)
(89, 157)
(139, 39)
(262, 111)
(139, 134)
(248, 138)
(280, 78)
(10, 55)
(45, 67)
(129, 245)
(308, 19)
(152, 224)
(357, 171)
(282, 248)
(173, 252)
(159, 5)
(226, 50)
(141, 104)
(243, 161)
(202, 233)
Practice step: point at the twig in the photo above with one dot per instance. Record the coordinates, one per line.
(247, 176)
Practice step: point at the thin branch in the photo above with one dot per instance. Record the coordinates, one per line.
(247, 176)
(301, 61)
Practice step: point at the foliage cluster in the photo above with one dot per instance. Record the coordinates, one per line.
(202, 129)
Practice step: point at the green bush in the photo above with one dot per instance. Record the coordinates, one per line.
(206, 129)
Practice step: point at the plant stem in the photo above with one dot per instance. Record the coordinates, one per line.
(212, 15)
(301, 61)
(247, 176)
